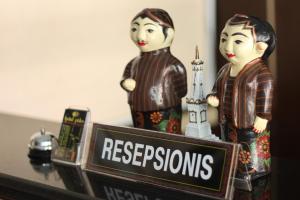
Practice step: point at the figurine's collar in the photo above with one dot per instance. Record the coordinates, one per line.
(254, 61)
(247, 66)
(156, 52)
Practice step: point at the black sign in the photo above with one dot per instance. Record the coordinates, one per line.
(166, 160)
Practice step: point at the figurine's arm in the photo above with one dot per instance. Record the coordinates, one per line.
(213, 101)
(212, 98)
(128, 83)
(260, 124)
(264, 96)
(180, 81)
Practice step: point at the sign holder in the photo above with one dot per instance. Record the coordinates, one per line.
(243, 183)
(191, 165)
(72, 136)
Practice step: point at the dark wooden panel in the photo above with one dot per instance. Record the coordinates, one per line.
(288, 73)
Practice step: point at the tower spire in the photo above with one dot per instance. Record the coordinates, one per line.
(197, 53)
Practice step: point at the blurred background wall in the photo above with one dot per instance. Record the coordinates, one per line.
(59, 53)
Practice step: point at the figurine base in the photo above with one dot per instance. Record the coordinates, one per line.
(243, 183)
(202, 131)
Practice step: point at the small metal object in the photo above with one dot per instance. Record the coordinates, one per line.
(41, 144)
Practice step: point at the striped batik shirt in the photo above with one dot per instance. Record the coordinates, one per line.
(160, 78)
(228, 97)
(252, 93)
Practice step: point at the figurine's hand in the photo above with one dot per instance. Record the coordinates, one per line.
(260, 124)
(213, 101)
(129, 84)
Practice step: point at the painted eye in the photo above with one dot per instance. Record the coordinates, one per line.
(238, 41)
(223, 40)
(133, 29)
(150, 30)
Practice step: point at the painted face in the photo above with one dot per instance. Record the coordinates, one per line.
(148, 35)
(237, 45)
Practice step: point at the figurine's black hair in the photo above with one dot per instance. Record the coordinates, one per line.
(261, 30)
(158, 15)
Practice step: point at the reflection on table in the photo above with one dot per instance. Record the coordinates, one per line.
(112, 188)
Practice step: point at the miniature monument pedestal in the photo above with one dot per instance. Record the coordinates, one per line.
(203, 131)
(198, 125)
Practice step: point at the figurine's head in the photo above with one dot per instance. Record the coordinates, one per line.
(152, 29)
(245, 38)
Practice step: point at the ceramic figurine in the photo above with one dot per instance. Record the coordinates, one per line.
(243, 91)
(155, 80)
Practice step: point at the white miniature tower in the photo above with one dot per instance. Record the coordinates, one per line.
(198, 125)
